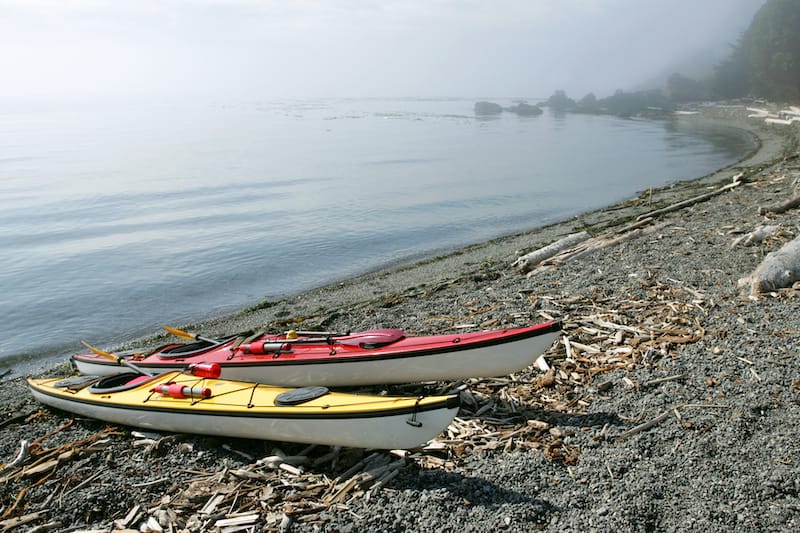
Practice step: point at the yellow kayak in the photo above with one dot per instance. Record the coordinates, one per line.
(182, 403)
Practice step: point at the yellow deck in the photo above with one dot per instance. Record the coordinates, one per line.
(234, 396)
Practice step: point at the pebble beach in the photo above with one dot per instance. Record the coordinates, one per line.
(671, 401)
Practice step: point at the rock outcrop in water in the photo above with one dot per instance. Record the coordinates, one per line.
(525, 109)
(520, 108)
(487, 108)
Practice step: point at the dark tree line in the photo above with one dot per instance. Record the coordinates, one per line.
(765, 62)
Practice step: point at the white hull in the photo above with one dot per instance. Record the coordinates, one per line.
(486, 361)
(379, 432)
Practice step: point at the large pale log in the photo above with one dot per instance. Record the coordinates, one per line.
(778, 270)
(528, 261)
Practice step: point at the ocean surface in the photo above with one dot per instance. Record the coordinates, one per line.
(116, 219)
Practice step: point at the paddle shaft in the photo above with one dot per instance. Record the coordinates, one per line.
(118, 359)
(323, 333)
(123, 361)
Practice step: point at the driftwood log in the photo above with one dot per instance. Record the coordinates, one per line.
(580, 244)
(778, 270)
(756, 236)
(781, 207)
(526, 262)
(596, 243)
(736, 181)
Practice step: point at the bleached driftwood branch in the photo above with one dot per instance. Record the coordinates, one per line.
(697, 199)
(526, 262)
(778, 270)
(21, 456)
(756, 236)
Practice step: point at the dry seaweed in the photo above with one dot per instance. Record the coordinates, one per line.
(602, 336)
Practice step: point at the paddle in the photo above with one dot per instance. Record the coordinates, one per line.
(120, 360)
(187, 335)
(322, 334)
(366, 333)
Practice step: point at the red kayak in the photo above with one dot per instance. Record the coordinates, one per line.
(374, 357)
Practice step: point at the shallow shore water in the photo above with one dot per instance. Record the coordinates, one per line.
(672, 402)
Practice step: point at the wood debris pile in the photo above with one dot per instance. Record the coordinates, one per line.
(605, 337)
(784, 117)
(271, 493)
(61, 469)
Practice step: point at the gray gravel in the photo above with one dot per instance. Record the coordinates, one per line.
(726, 459)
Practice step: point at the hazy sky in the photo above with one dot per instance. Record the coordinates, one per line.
(228, 49)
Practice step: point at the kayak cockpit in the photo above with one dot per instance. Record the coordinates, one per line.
(119, 383)
(180, 351)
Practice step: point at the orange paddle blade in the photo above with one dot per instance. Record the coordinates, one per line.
(98, 351)
(180, 333)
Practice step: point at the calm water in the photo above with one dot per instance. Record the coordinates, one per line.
(113, 221)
